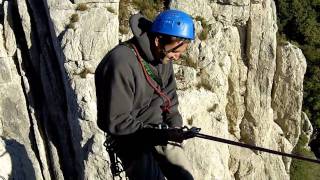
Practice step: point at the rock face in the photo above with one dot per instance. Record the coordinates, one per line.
(235, 82)
(249, 90)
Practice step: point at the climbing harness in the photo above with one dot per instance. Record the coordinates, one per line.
(115, 163)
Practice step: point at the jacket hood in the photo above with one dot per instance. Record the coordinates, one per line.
(140, 27)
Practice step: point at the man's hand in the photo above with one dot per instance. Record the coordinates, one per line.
(160, 136)
(180, 134)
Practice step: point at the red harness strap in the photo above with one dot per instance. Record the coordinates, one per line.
(166, 100)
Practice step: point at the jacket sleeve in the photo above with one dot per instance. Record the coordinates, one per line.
(173, 119)
(115, 93)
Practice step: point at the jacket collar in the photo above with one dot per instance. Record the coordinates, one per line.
(140, 27)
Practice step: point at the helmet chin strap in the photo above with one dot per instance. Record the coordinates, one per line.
(164, 52)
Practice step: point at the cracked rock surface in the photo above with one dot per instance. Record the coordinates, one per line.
(236, 83)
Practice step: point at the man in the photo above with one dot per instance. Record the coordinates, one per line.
(137, 100)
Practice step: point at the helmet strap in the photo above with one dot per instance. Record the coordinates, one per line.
(164, 52)
(174, 48)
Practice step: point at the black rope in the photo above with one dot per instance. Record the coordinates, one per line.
(199, 135)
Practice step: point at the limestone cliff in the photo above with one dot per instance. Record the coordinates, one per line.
(235, 82)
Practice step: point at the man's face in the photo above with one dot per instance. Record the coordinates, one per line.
(170, 52)
(176, 53)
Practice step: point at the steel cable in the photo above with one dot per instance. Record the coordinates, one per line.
(204, 136)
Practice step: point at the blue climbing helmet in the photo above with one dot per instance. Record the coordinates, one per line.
(174, 23)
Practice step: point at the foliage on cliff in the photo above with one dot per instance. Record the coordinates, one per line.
(299, 22)
(302, 169)
(149, 8)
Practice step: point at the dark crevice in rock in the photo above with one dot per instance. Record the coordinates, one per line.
(224, 2)
(315, 143)
(29, 71)
(230, 3)
(245, 52)
(167, 4)
(247, 42)
(33, 78)
(1, 15)
(244, 36)
(274, 88)
(52, 78)
(237, 174)
(243, 42)
(230, 108)
(47, 89)
(247, 129)
(32, 134)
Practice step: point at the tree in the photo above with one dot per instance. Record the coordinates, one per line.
(298, 21)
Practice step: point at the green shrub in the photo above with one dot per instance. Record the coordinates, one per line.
(149, 8)
(190, 121)
(124, 16)
(303, 170)
(186, 60)
(203, 35)
(213, 108)
(74, 18)
(82, 7)
(124, 29)
(299, 21)
(110, 9)
(71, 26)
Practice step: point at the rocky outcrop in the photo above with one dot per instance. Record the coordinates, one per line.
(238, 65)
(235, 82)
(41, 106)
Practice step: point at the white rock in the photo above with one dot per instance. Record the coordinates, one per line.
(237, 84)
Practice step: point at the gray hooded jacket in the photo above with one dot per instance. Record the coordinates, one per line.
(126, 102)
